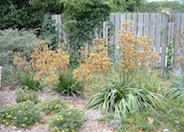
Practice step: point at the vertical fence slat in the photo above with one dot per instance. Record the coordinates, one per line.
(164, 41)
(140, 21)
(112, 36)
(134, 23)
(146, 24)
(122, 19)
(152, 29)
(117, 27)
(129, 18)
(176, 40)
(105, 32)
(158, 34)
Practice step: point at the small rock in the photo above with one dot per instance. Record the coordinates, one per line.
(177, 122)
(42, 114)
(14, 127)
(166, 130)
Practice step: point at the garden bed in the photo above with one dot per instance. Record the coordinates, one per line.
(92, 116)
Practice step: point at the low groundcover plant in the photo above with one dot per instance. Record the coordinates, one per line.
(21, 114)
(24, 94)
(55, 104)
(67, 120)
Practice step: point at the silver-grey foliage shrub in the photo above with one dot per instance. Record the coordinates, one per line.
(14, 40)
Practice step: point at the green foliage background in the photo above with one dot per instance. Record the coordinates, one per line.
(20, 14)
(173, 6)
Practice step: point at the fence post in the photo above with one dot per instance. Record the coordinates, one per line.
(1, 68)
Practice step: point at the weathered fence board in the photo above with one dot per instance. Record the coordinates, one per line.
(177, 27)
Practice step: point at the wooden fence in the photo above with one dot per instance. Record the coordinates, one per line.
(160, 27)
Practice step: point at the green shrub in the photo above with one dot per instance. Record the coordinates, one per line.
(20, 14)
(13, 40)
(24, 94)
(55, 104)
(122, 95)
(21, 114)
(28, 81)
(69, 85)
(9, 76)
(67, 120)
(177, 89)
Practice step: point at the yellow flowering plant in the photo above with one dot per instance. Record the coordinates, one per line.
(24, 94)
(21, 115)
(67, 120)
(55, 104)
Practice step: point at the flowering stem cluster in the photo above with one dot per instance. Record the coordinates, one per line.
(48, 62)
(97, 62)
(135, 52)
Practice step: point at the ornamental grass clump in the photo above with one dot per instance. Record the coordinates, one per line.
(27, 81)
(55, 104)
(67, 120)
(21, 115)
(69, 85)
(124, 95)
(24, 94)
(177, 89)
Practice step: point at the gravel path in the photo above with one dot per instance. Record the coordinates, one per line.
(91, 125)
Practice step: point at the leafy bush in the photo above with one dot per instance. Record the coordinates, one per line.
(9, 76)
(27, 80)
(68, 120)
(124, 95)
(55, 104)
(20, 14)
(48, 32)
(21, 114)
(12, 40)
(177, 89)
(69, 85)
(24, 94)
